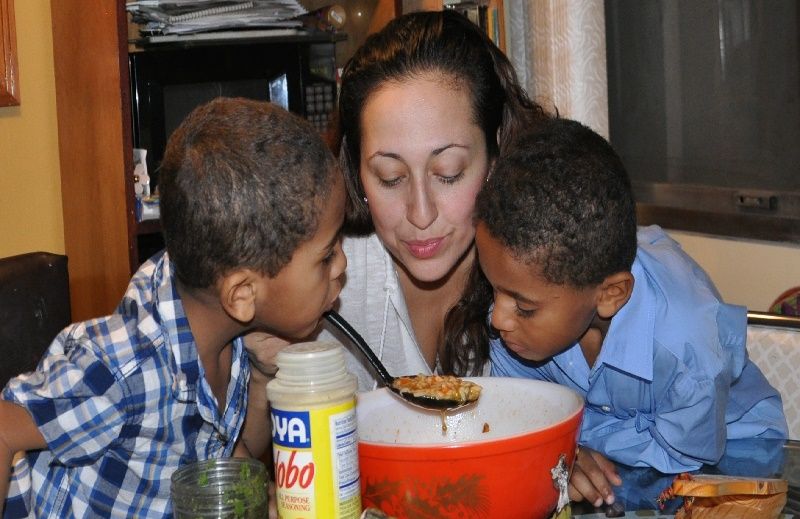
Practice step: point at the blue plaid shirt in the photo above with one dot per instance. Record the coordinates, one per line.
(122, 402)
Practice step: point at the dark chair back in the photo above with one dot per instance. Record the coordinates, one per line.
(34, 307)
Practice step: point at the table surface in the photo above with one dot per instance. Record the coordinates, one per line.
(748, 458)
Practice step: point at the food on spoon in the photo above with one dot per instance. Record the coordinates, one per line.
(439, 387)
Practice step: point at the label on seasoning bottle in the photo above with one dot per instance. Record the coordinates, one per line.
(314, 437)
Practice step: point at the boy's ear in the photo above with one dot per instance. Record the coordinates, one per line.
(237, 295)
(615, 290)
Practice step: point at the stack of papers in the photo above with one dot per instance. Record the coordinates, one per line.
(192, 16)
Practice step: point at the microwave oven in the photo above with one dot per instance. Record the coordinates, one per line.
(169, 80)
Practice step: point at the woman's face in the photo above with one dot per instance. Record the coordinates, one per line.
(423, 161)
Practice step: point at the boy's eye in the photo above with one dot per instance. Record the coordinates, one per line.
(329, 257)
(524, 312)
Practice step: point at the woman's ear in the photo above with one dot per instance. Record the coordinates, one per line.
(237, 295)
(615, 291)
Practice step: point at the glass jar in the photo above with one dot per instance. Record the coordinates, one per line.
(224, 488)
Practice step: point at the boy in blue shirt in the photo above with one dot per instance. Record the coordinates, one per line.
(627, 320)
(252, 203)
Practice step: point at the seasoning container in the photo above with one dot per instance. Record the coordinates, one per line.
(224, 488)
(314, 438)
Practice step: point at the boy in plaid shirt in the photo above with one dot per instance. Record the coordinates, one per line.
(251, 206)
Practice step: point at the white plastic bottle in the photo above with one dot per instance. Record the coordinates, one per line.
(314, 437)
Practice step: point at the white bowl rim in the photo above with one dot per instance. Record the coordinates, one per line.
(580, 405)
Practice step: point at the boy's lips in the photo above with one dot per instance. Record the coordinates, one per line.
(513, 346)
(424, 249)
(522, 351)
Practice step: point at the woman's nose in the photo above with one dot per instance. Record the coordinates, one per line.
(421, 210)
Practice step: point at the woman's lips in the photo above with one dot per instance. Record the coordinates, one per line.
(424, 249)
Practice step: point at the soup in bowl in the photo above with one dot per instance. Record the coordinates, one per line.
(504, 456)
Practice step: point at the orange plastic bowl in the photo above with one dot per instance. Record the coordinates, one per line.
(496, 458)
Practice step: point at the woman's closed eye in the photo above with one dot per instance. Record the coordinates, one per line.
(450, 179)
(389, 173)
(390, 181)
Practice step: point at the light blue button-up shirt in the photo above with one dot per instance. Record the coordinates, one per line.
(672, 381)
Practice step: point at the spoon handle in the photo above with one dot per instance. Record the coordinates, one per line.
(340, 323)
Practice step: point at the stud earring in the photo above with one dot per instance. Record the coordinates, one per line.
(365, 200)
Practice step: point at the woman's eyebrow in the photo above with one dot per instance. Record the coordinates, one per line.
(435, 152)
(387, 154)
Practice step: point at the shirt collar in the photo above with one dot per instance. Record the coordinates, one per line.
(628, 345)
(635, 320)
(392, 288)
(189, 381)
(174, 325)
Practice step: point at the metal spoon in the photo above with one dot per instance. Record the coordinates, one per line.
(424, 402)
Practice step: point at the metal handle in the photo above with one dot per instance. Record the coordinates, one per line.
(340, 323)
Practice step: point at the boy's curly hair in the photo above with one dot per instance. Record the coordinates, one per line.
(241, 185)
(561, 199)
(558, 198)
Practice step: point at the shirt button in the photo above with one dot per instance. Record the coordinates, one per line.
(606, 409)
(179, 382)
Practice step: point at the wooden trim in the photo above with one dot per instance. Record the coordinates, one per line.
(501, 17)
(9, 73)
(127, 137)
(744, 225)
(410, 6)
(94, 150)
(385, 10)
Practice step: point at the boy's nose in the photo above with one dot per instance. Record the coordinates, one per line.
(501, 318)
(339, 262)
(421, 209)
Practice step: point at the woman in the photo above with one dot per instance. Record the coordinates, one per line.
(425, 107)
